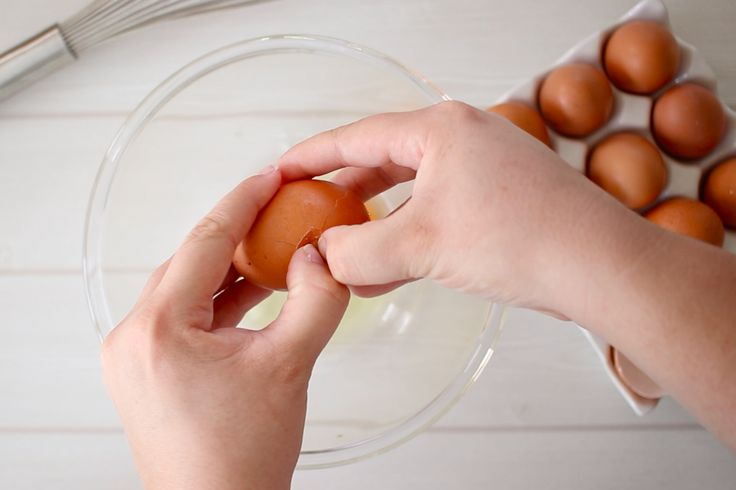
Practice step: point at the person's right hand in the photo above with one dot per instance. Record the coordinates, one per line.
(491, 211)
(496, 213)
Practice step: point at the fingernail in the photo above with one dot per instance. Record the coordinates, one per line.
(312, 254)
(267, 170)
(322, 244)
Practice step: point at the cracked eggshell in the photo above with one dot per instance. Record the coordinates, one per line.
(297, 215)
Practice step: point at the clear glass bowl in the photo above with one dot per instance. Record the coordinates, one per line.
(397, 362)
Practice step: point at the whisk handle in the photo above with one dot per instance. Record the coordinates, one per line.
(33, 59)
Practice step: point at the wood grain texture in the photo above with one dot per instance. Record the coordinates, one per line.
(544, 375)
(44, 197)
(49, 363)
(553, 460)
(473, 50)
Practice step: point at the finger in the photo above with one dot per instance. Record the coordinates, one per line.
(375, 141)
(314, 306)
(377, 290)
(154, 279)
(233, 303)
(369, 182)
(374, 253)
(160, 271)
(203, 260)
(231, 276)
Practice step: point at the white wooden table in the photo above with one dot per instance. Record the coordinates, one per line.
(544, 415)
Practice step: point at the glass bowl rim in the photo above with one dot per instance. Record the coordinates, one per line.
(149, 107)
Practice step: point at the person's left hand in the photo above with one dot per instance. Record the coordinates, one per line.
(204, 404)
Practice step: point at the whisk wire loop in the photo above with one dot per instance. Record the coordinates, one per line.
(103, 19)
(100, 20)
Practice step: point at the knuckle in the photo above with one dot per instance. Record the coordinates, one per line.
(287, 365)
(212, 226)
(341, 262)
(337, 136)
(154, 279)
(159, 272)
(109, 349)
(422, 238)
(325, 285)
(293, 371)
(332, 291)
(153, 340)
(123, 348)
(461, 109)
(456, 112)
(153, 317)
(188, 344)
(398, 173)
(140, 335)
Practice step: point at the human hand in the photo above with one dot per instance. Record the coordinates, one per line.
(204, 404)
(492, 209)
(497, 213)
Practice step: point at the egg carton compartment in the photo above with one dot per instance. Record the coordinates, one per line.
(632, 112)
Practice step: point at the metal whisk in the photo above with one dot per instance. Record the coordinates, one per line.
(63, 43)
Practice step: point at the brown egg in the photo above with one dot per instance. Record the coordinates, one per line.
(576, 99)
(641, 56)
(524, 117)
(629, 167)
(688, 121)
(297, 215)
(689, 217)
(634, 378)
(720, 191)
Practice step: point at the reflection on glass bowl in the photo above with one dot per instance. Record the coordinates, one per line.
(396, 362)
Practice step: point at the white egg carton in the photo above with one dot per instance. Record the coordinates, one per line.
(632, 112)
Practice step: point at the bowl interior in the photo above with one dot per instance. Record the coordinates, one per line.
(397, 361)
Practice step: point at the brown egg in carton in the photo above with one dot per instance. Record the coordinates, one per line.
(633, 113)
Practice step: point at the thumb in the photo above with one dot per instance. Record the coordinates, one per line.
(314, 306)
(373, 253)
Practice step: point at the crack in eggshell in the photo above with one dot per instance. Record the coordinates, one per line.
(335, 208)
(315, 208)
(311, 236)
